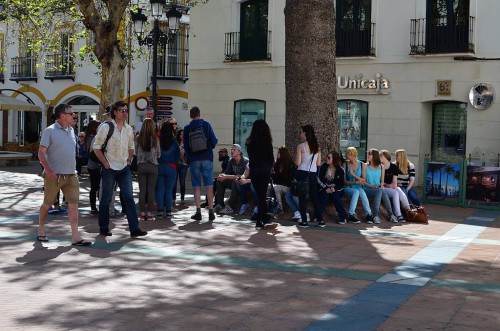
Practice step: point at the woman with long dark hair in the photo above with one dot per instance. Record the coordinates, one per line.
(167, 170)
(182, 167)
(93, 168)
(283, 174)
(331, 180)
(261, 160)
(307, 159)
(148, 151)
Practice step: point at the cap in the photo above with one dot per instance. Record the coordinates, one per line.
(237, 147)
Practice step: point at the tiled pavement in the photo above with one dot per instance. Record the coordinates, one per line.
(226, 275)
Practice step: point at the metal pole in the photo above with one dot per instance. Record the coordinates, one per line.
(156, 31)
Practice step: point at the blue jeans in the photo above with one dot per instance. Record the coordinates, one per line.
(243, 197)
(292, 201)
(124, 179)
(181, 175)
(334, 197)
(164, 187)
(202, 170)
(376, 195)
(412, 196)
(355, 194)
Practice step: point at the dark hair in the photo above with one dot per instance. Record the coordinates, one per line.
(283, 162)
(194, 112)
(117, 105)
(179, 135)
(260, 141)
(147, 136)
(375, 157)
(60, 110)
(336, 158)
(90, 133)
(166, 136)
(311, 138)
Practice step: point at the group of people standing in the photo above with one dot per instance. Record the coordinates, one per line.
(163, 155)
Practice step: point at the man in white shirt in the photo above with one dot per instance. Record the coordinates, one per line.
(148, 113)
(116, 168)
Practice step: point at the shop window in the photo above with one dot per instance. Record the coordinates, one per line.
(449, 127)
(245, 113)
(353, 124)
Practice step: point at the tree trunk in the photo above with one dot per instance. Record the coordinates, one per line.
(113, 70)
(310, 79)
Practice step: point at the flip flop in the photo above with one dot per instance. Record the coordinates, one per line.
(42, 238)
(82, 243)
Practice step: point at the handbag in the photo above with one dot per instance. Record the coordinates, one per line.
(133, 164)
(300, 187)
(417, 214)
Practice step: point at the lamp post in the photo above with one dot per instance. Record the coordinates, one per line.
(156, 37)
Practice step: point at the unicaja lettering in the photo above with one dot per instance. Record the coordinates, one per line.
(379, 83)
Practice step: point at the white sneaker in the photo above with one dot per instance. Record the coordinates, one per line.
(296, 216)
(394, 219)
(243, 209)
(227, 210)
(376, 220)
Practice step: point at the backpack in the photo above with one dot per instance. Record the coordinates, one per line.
(92, 155)
(198, 142)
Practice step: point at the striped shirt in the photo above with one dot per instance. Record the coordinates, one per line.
(404, 180)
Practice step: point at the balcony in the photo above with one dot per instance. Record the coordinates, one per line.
(440, 37)
(250, 46)
(355, 42)
(59, 66)
(173, 61)
(23, 68)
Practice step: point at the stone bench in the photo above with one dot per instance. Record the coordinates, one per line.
(14, 158)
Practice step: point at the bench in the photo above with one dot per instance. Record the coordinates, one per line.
(14, 158)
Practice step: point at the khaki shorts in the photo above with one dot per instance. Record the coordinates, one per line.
(67, 183)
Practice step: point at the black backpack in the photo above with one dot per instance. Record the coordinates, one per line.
(92, 155)
(198, 141)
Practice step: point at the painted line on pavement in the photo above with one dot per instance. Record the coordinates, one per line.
(369, 308)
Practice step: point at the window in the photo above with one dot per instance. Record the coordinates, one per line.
(449, 127)
(245, 113)
(173, 57)
(253, 30)
(353, 124)
(354, 29)
(23, 67)
(447, 26)
(60, 63)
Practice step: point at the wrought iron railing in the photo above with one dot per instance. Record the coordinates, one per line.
(59, 66)
(440, 37)
(173, 61)
(23, 68)
(250, 46)
(356, 42)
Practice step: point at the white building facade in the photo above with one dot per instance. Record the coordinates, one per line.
(405, 71)
(65, 78)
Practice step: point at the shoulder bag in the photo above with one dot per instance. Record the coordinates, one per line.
(300, 188)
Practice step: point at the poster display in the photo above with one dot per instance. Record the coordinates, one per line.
(443, 182)
(482, 185)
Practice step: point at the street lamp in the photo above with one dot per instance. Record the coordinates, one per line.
(156, 36)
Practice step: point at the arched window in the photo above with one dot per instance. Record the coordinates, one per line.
(245, 113)
(353, 125)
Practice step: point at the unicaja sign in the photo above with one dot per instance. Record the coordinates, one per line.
(377, 84)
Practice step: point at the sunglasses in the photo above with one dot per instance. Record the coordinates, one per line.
(69, 113)
(122, 110)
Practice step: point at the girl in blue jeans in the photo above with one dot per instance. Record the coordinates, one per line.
(406, 177)
(167, 170)
(331, 181)
(354, 186)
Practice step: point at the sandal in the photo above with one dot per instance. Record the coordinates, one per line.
(42, 238)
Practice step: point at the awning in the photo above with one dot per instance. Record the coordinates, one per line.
(10, 103)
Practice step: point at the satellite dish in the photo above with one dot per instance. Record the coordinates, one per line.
(481, 96)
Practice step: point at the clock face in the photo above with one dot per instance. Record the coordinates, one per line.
(481, 96)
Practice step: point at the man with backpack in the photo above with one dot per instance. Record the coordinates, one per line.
(199, 142)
